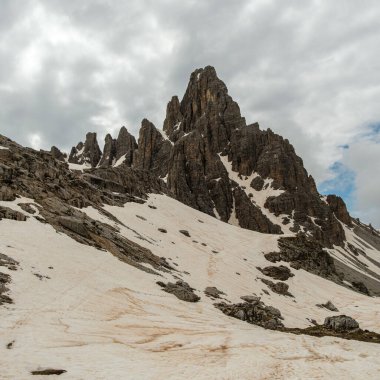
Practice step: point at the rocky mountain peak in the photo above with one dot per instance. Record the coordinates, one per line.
(207, 107)
(216, 163)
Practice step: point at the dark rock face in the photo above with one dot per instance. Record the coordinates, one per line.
(304, 204)
(181, 290)
(278, 287)
(307, 254)
(250, 216)
(153, 151)
(125, 146)
(360, 286)
(57, 154)
(4, 280)
(206, 107)
(8, 262)
(173, 120)
(109, 152)
(341, 323)
(338, 207)
(255, 312)
(198, 178)
(8, 213)
(89, 152)
(281, 272)
(213, 292)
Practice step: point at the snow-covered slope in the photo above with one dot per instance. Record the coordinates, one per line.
(81, 309)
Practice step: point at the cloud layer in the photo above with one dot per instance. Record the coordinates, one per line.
(308, 70)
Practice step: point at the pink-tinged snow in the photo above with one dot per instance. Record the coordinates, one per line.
(99, 318)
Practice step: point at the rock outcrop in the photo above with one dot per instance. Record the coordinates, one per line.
(109, 152)
(125, 147)
(182, 290)
(255, 312)
(281, 272)
(153, 151)
(341, 323)
(57, 154)
(87, 153)
(338, 207)
(305, 253)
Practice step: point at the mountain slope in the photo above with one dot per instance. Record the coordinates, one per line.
(93, 316)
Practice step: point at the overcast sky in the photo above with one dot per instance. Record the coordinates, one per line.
(310, 70)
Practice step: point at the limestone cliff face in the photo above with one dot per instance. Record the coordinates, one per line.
(338, 207)
(153, 151)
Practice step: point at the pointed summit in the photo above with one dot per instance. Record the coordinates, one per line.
(207, 107)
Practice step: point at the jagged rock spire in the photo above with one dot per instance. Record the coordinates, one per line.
(207, 107)
(109, 152)
(87, 153)
(153, 150)
(125, 146)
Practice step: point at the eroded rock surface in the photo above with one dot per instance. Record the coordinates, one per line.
(182, 290)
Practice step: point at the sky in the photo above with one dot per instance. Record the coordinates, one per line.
(309, 70)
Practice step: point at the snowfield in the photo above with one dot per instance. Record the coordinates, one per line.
(82, 310)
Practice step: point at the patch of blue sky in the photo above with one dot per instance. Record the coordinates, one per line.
(342, 184)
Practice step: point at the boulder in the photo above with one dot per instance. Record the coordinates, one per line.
(281, 272)
(278, 287)
(341, 323)
(181, 290)
(212, 291)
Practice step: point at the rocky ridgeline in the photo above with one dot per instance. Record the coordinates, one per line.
(59, 194)
(205, 125)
